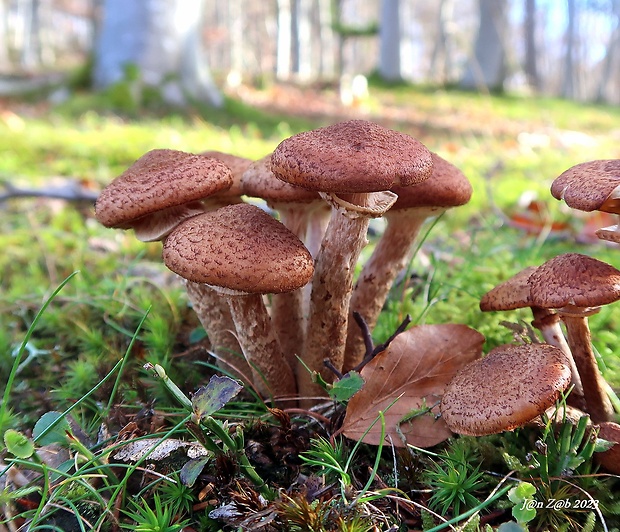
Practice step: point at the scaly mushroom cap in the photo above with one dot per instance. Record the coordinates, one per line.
(159, 180)
(239, 247)
(237, 166)
(590, 186)
(512, 294)
(350, 157)
(504, 390)
(448, 187)
(258, 181)
(572, 279)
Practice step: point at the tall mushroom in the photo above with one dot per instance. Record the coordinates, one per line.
(448, 187)
(515, 293)
(505, 389)
(576, 286)
(245, 253)
(353, 165)
(304, 212)
(156, 193)
(592, 186)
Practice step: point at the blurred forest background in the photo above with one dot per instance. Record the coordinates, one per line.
(198, 49)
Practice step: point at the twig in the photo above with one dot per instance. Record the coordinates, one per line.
(69, 191)
(373, 351)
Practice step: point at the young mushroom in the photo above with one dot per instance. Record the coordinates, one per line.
(505, 389)
(244, 253)
(515, 293)
(592, 186)
(576, 286)
(353, 165)
(448, 187)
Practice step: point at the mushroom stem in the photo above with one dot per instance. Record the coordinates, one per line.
(214, 314)
(329, 302)
(287, 316)
(548, 323)
(579, 340)
(390, 256)
(272, 373)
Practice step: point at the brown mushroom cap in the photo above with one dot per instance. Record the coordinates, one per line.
(610, 459)
(239, 247)
(587, 186)
(448, 187)
(259, 181)
(159, 180)
(237, 166)
(504, 390)
(512, 294)
(350, 157)
(572, 279)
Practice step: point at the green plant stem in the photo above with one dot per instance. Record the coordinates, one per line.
(471, 512)
(22, 347)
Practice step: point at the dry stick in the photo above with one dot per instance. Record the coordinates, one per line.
(594, 388)
(214, 314)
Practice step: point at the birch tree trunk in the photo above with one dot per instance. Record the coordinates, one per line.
(163, 39)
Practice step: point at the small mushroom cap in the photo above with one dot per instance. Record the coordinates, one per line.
(160, 179)
(258, 181)
(237, 166)
(512, 294)
(610, 459)
(239, 247)
(588, 186)
(447, 187)
(351, 157)
(504, 390)
(572, 279)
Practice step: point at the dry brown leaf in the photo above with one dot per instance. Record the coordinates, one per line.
(411, 373)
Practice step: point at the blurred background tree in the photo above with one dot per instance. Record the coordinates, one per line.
(563, 48)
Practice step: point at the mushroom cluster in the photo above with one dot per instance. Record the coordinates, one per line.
(273, 286)
(566, 289)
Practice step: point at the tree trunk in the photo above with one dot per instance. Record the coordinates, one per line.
(441, 60)
(568, 83)
(610, 62)
(487, 68)
(531, 52)
(389, 41)
(283, 51)
(162, 38)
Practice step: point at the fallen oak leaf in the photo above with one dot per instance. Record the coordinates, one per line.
(406, 382)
